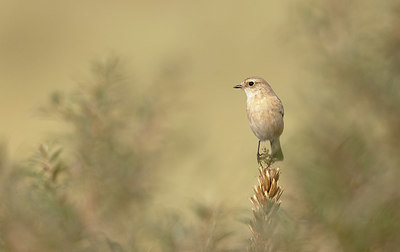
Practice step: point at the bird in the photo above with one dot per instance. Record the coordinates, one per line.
(265, 113)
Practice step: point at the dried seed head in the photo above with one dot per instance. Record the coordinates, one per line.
(265, 204)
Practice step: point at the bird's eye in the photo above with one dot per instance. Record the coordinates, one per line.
(251, 83)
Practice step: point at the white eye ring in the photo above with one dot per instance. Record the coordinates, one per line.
(251, 83)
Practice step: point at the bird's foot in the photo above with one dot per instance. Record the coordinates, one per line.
(264, 157)
(259, 160)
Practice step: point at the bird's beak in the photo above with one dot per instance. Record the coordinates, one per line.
(238, 86)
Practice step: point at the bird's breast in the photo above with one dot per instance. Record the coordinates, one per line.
(264, 116)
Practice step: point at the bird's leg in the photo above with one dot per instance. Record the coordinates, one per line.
(258, 153)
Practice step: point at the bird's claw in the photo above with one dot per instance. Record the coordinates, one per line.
(266, 158)
(259, 159)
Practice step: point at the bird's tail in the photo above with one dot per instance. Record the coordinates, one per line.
(276, 150)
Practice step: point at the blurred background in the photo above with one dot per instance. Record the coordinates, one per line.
(121, 130)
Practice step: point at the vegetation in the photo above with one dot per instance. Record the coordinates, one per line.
(100, 183)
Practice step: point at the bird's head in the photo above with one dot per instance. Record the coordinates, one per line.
(255, 85)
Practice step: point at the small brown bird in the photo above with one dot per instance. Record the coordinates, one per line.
(265, 114)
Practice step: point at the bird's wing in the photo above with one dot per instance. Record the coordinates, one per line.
(279, 106)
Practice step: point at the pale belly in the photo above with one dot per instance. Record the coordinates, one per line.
(265, 118)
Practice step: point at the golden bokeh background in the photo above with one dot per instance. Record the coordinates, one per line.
(48, 46)
(333, 64)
